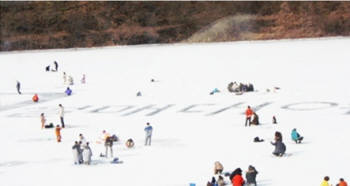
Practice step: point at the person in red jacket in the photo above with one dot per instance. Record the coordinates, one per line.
(342, 182)
(237, 179)
(248, 113)
(35, 98)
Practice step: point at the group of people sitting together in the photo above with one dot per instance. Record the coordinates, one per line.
(235, 178)
(234, 87)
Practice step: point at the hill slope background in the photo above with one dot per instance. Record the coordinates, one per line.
(44, 25)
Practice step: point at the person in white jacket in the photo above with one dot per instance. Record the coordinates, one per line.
(87, 153)
(61, 114)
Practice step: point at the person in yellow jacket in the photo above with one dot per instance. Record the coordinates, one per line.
(325, 181)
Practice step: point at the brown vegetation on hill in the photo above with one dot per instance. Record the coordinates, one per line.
(44, 25)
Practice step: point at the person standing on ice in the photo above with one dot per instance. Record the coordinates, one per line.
(108, 142)
(61, 114)
(248, 114)
(148, 129)
(43, 120)
(237, 179)
(56, 65)
(76, 150)
(82, 140)
(58, 133)
(251, 176)
(87, 153)
(18, 87)
(64, 78)
(83, 79)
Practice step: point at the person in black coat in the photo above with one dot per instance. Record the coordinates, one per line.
(56, 65)
(251, 176)
(18, 87)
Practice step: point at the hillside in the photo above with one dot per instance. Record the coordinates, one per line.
(44, 25)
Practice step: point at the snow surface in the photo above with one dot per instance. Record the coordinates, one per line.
(194, 129)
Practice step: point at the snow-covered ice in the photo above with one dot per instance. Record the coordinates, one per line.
(192, 129)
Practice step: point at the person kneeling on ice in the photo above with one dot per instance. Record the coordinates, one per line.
(255, 120)
(296, 136)
(35, 98)
(280, 147)
(68, 91)
(130, 143)
(87, 153)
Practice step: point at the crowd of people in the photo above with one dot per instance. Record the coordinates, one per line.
(82, 153)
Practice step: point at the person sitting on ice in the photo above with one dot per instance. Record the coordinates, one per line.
(250, 88)
(296, 136)
(216, 90)
(233, 87)
(35, 98)
(47, 68)
(138, 94)
(68, 91)
(130, 143)
(212, 182)
(342, 182)
(49, 126)
(255, 120)
(280, 147)
(218, 168)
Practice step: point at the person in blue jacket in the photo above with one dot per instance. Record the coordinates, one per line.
(148, 130)
(296, 136)
(68, 91)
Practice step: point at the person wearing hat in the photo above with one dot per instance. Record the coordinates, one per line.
(251, 176)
